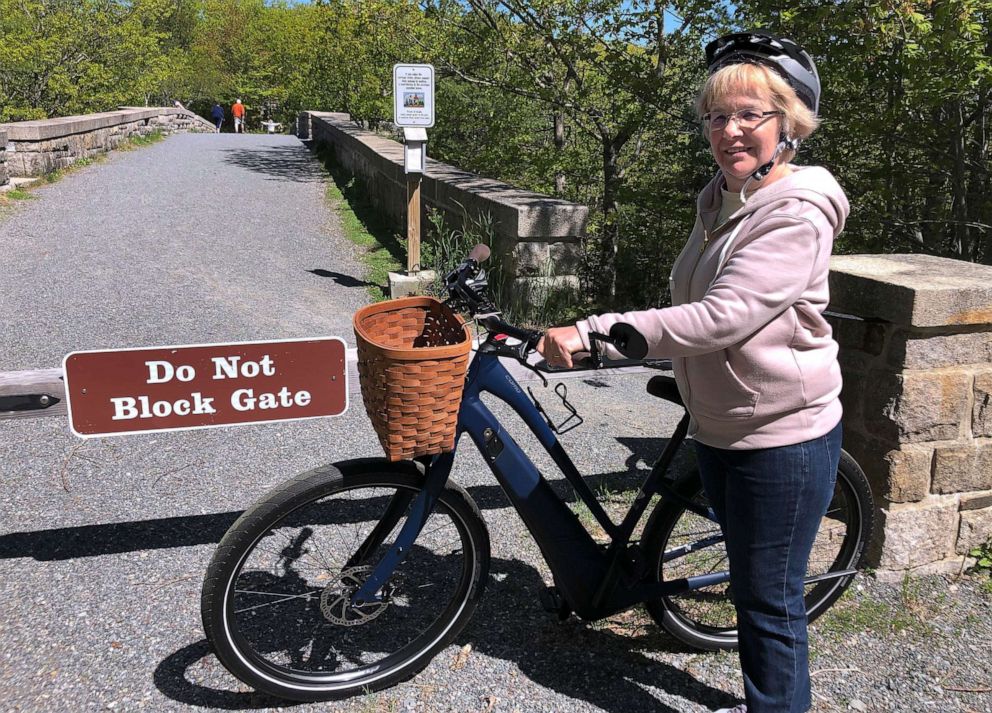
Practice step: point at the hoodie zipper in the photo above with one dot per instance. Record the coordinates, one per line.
(707, 236)
(718, 231)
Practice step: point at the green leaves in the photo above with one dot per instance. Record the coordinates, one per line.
(60, 58)
(983, 556)
(907, 93)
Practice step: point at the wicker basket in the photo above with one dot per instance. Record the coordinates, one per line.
(412, 357)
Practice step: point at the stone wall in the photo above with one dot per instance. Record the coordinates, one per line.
(35, 148)
(4, 176)
(533, 231)
(915, 335)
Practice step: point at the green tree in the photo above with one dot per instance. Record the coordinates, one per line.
(61, 57)
(906, 117)
(359, 42)
(609, 76)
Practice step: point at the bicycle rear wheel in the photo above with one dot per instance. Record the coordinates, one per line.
(705, 618)
(276, 597)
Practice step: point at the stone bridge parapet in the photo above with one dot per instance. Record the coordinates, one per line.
(35, 148)
(915, 335)
(534, 233)
(4, 176)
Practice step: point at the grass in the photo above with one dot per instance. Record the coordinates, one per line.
(539, 302)
(383, 251)
(534, 303)
(135, 142)
(16, 194)
(77, 165)
(983, 564)
(616, 503)
(853, 614)
(372, 702)
(8, 199)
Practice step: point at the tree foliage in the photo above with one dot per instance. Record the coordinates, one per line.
(906, 109)
(61, 57)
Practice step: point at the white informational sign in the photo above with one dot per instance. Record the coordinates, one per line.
(413, 95)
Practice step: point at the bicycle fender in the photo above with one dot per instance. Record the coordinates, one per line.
(356, 466)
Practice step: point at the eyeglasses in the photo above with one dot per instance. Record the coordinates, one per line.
(746, 119)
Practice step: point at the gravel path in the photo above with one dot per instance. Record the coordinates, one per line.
(200, 238)
(104, 542)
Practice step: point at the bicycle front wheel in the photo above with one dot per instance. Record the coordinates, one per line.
(705, 618)
(276, 597)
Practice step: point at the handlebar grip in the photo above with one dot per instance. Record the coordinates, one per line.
(480, 253)
(628, 340)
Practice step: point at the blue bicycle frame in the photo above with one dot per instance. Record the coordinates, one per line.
(594, 580)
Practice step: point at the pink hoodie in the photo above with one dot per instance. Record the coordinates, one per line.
(753, 356)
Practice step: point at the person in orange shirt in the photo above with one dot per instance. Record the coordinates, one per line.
(238, 110)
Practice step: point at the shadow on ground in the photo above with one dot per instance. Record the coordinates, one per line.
(279, 161)
(356, 195)
(342, 279)
(192, 530)
(605, 665)
(579, 660)
(296, 162)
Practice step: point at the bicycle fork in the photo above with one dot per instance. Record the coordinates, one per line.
(417, 511)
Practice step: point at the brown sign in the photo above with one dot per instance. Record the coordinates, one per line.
(122, 391)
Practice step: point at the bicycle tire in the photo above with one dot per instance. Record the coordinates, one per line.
(705, 618)
(274, 599)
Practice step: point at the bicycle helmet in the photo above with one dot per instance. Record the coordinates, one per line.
(777, 53)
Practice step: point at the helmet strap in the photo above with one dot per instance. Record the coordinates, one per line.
(762, 172)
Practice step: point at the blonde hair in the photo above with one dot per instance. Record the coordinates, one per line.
(758, 81)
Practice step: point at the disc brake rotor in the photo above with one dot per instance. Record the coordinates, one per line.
(335, 600)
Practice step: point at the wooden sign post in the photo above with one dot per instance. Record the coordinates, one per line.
(414, 150)
(413, 105)
(413, 223)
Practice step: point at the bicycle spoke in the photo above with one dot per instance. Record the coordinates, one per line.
(293, 607)
(269, 604)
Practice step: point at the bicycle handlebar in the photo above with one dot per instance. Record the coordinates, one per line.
(467, 288)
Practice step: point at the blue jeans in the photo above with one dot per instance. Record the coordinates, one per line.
(770, 502)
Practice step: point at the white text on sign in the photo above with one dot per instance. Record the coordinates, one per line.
(227, 367)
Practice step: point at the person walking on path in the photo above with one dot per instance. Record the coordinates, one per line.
(754, 358)
(217, 115)
(238, 110)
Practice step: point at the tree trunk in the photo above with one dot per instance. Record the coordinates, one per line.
(959, 193)
(982, 176)
(981, 156)
(559, 119)
(559, 122)
(893, 185)
(610, 237)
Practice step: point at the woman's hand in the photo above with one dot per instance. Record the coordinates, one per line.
(559, 344)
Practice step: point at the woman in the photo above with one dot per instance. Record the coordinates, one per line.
(753, 356)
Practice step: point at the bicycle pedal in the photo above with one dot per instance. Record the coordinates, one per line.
(553, 602)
